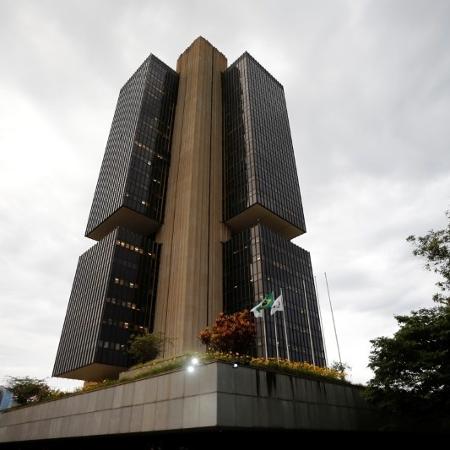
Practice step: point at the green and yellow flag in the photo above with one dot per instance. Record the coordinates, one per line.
(266, 303)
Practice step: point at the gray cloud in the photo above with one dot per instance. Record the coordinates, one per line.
(368, 95)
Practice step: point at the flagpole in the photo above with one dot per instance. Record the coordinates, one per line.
(309, 324)
(321, 322)
(332, 316)
(276, 336)
(264, 330)
(284, 322)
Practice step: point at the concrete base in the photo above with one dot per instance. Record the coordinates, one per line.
(215, 395)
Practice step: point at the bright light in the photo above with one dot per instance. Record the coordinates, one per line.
(235, 365)
(194, 361)
(190, 369)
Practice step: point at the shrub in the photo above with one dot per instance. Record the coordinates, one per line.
(29, 390)
(145, 347)
(282, 365)
(231, 333)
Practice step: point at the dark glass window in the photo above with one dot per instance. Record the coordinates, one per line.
(259, 163)
(113, 297)
(258, 261)
(136, 162)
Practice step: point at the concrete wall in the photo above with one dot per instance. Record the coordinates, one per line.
(190, 278)
(215, 395)
(256, 398)
(177, 400)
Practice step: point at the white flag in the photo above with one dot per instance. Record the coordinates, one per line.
(257, 310)
(277, 305)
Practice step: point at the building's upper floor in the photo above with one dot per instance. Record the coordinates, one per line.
(133, 176)
(260, 175)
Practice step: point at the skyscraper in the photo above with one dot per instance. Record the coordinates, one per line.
(195, 206)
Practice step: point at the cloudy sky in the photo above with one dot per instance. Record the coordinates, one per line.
(368, 92)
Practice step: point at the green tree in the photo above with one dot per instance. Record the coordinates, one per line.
(231, 333)
(145, 347)
(435, 248)
(29, 390)
(341, 367)
(412, 368)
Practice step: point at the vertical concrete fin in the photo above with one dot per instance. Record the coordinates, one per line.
(190, 279)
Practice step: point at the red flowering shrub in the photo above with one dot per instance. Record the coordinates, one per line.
(231, 333)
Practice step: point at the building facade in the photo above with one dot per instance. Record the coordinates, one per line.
(195, 206)
(260, 176)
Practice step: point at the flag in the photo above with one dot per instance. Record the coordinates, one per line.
(257, 310)
(277, 305)
(266, 303)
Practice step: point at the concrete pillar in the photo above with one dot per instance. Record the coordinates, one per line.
(190, 279)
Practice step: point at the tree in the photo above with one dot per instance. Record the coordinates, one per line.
(145, 347)
(412, 368)
(342, 367)
(231, 333)
(435, 247)
(29, 390)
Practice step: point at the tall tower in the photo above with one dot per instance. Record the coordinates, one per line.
(194, 209)
(190, 281)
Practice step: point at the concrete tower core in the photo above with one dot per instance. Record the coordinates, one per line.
(190, 277)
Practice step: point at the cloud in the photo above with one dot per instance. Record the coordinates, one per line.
(368, 99)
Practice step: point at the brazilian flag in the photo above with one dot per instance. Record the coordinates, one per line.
(267, 301)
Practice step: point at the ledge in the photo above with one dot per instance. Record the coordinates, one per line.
(258, 213)
(215, 395)
(123, 217)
